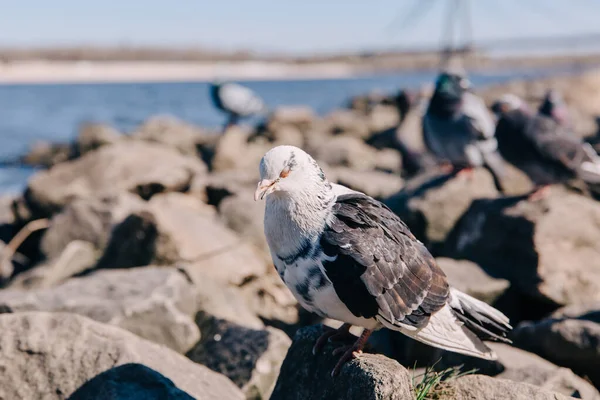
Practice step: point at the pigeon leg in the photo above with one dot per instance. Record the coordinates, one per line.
(466, 172)
(539, 194)
(350, 352)
(331, 335)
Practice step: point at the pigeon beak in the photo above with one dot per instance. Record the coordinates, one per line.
(264, 188)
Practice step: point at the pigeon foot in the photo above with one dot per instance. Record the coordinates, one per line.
(331, 335)
(350, 352)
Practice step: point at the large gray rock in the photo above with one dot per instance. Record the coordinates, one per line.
(177, 228)
(301, 117)
(131, 166)
(89, 219)
(520, 366)
(471, 279)
(93, 136)
(347, 122)
(214, 187)
(570, 338)
(251, 358)
(46, 154)
(431, 204)
(549, 249)
(345, 151)
(306, 376)
(376, 184)
(234, 151)
(481, 387)
(50, 355)
(155, 303)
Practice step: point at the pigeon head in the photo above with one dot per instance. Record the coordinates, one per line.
(287, 171)
(451, 85)
(554, 106)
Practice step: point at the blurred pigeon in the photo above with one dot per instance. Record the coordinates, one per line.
(554, 106)
(346, 256)
(236, 100)
(459, 129)
(547, 151)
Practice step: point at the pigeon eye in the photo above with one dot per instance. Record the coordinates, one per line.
(285, 172)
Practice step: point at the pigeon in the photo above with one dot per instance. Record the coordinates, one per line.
(236, 100)
(347, 256)
(554, 106)
(459, 129)
(546, 150)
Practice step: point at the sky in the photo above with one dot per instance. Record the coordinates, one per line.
(293, 26)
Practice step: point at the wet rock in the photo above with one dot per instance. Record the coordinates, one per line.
(547, 249)
(130, 382)
(483, 387)
(306, 376)
(251, 358)
(177, 228)
(50, 356)
(88, 219)
(376, 184)
(155, 303)
(234, 151)
(46, 154)
(471, 279)
(570, 337)
(138, 167)
(93, 136)
(432, 203)
(245, 216)
(520, 366)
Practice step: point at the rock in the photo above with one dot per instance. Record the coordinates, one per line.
(389, 160)
(346, 151)
(432, 203)
(305, 376)
(93, 136)
(548, 249)
(77, 257)
(373, 183)
(49, 356)
(155, 303)
(301, 117)
(570, 338)
(471, 279)
(483, 387)
(520, 366)
(137, 167)
(347, 122)
(46, 154)
(213, 188)
(175, 133)
(234, 151)
(177, 228)
(383, 117)
(251, 358)
(130, 382)
(7, 216)
(88, 219)
(245, 216)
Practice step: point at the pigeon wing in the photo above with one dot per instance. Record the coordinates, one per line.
(240, 100)
(377, 267)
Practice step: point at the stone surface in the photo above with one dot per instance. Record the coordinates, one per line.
(520, 366)
(234, 151)
(373, 183)
(432, 203)
(155, 303)
(471, 279)
(346, 151)
(130, 382)
(570, 337)
(89, 219)
(133, 166)
(301, 117)
(549, 250)
(45, 154)
(245, 216)
(93, 136)
(481, 387)
(251, 358)
(306, 376)
(51, 355)
(347, 122)
(177, 228)
(214, 187)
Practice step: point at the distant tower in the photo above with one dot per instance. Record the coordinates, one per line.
(457, 33)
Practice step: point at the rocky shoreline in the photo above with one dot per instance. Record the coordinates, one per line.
(134, 265)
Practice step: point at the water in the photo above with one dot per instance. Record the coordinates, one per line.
(54, 112)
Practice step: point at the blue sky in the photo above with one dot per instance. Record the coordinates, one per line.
(277, 25)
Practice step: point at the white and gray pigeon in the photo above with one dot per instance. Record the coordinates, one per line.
(236, 100)
(459, 129)
(346, 256)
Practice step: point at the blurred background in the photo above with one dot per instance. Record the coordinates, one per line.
(130, 138)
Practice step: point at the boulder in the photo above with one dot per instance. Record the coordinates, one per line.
(234, 151)
(346, 151)
(471, 279)
(138, 167)
(155, 303)
(93, 136)
(45, 154)
(88, 219)
(570, 337)
(177, 228)
(130, 382)
(347, 122)
(547, 249)
(251, 358)
(520, 366)
(382, 117)
(432, 203)
(214, 187)
(307, 376)
(51, 355)
(483, 387)
(389, 160)
(302, 117)
(376, 184)
(7, 216)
